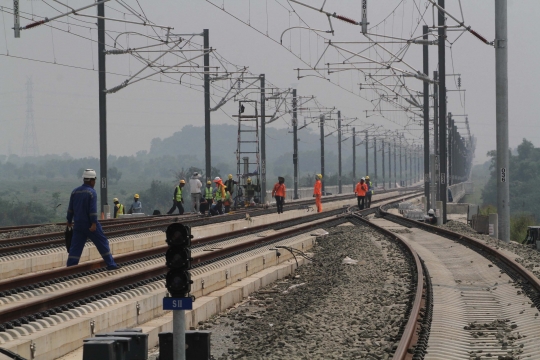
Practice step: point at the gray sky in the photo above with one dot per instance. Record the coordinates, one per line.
(65, 98)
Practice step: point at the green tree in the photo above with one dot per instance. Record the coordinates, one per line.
(114, 174)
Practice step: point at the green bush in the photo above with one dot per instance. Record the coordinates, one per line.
(488, 209)
(518, 226)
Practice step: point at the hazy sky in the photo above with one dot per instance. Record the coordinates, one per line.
(66, 102)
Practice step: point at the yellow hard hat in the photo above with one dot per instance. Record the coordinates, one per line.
(248, 180)
(208, 182)
(319, 176)
(115, 199)
(182, 181)
(367, 177)
(230, 176)
(136, 196)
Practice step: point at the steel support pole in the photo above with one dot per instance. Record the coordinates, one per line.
(450, 150)
(321, 124)
(354, 157)
(443, 192)
(400, 163)
(295, 143)
(390, 165)
(263, 140)
(406, 167)
(382, 158)
(375, 160)
(367, 155)
(102, 107)
(426, 116)
(207, 139)
(339, 152)
(436, 113)
(395, 163)
(436, 176)
(419, 163)
(179, 335)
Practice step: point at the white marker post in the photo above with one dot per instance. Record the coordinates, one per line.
(364, 17)
(178, 307)
(17, 19)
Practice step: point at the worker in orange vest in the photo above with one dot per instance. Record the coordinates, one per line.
(360, 191)
(317, 192)
(279, 193)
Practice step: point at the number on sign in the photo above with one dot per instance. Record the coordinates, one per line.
(503, 174)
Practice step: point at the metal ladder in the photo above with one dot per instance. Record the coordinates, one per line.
(247, 146)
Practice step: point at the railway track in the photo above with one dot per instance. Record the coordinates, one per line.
(474, 302)
(17, 245)
(138, 268)
(164, 217)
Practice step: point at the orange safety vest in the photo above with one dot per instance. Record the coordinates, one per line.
(318, 188)
(279, 190)
(361, 189)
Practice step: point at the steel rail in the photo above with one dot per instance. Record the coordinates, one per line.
(12, 313)
(411, 332)
(499, 255)
(39, 304)
(28, 243)
(4, 229)
(49, 275)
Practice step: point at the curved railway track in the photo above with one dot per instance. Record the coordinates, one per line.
(474, 302)
(469, 300)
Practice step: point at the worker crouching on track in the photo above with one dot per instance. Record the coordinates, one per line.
(430, 218)
(360, 191)
(279, 193)
(178, 200)
(251, 189)
(317, 192)
(369, 193)
(82, 210)
(118, 208)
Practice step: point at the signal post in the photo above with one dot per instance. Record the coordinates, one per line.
(178, 283)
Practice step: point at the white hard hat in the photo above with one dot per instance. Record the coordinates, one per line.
(363, 179)
(431, 212)
(89, 174)
(217, 178)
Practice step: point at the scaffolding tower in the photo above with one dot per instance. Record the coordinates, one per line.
(248, 162)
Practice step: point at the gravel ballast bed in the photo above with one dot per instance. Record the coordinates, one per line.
(526, 255)
(333, 311)
(46, 229)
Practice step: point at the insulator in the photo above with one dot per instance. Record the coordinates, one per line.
(346, 19)
(116, 52)
(116, 88)
(459, 82)
(37, 23)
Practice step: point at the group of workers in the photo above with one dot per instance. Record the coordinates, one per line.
(364, 192)
(214, 200)
(82, 214)
(119, 209)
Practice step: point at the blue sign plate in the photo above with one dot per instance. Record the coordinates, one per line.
(170, 303)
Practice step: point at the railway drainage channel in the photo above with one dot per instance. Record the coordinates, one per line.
(480, 310)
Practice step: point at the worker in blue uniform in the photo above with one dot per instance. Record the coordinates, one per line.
(82, 210)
